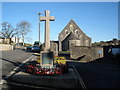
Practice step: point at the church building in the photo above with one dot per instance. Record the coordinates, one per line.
(72, 34)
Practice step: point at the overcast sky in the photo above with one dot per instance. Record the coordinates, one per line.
(99, 20)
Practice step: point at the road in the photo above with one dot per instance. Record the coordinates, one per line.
(11, 59)
(99, 75)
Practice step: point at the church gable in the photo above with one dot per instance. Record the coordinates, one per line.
(70, 27)
(72, 34)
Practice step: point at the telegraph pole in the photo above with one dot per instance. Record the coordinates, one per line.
(39, 28)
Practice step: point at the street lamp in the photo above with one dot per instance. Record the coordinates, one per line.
(39, 27)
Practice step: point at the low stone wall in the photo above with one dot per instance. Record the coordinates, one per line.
(20, 47)
(86, 53)
(4, 47)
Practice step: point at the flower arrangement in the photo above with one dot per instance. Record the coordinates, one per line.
(57, 59)
(61, 69)
(35, 69)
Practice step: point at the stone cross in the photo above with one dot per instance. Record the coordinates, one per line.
(47, 18)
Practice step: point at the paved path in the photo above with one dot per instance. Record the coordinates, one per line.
(11, 59)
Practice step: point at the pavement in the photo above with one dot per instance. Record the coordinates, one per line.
(65, 81)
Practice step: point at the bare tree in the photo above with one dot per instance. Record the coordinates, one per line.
(23, 29)
(29, 39)
(7, 32)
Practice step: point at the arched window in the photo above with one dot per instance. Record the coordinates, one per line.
(66, 32)
(76, 32)
(71, 27)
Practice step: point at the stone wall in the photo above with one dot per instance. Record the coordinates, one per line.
(86, 53)
(6, 47)
(54, 47)
(20, 47)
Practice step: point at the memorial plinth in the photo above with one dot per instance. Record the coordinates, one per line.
(47, 59)
(63, 81)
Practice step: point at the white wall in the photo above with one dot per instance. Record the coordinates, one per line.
(6, 47)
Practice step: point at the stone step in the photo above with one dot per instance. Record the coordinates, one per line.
(64, 81)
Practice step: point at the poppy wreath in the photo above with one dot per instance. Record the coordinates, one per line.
(61, 69)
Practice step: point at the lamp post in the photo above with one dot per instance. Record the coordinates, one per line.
(39, 28)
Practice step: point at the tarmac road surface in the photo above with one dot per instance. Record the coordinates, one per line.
(11, 59)
(99, 75)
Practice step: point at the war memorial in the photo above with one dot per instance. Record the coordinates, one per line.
(66, 63)
(48, 70)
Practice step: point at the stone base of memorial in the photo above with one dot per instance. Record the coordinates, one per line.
(62, 81)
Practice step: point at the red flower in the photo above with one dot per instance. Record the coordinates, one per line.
(29, 70)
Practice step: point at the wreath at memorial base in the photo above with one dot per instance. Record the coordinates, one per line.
(35, 69)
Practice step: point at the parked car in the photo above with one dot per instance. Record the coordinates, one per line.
(29, 48)
(36, 48)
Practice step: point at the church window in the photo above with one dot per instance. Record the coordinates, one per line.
(71, 27)
(76, 32)
(66, 32)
